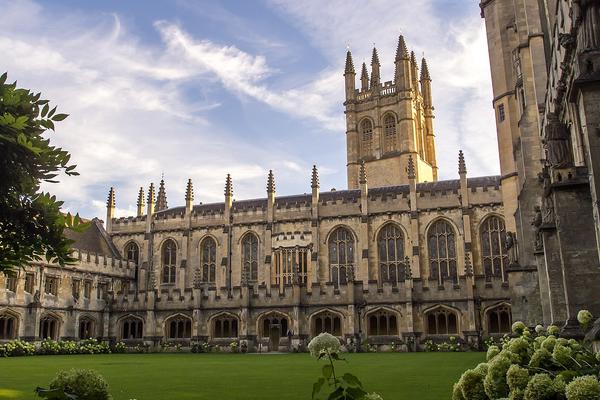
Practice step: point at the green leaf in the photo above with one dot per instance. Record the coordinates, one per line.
(3, 78)
(317, 386)
(351, 380)
(51, 113)
(327, 371)
(45, 110)
(59, 117)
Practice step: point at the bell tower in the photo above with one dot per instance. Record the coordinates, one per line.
(387, 123)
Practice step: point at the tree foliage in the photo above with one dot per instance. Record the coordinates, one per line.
(31, 222)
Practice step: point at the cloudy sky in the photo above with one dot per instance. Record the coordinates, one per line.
(198, 89)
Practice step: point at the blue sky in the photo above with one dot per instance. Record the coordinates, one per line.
(199, 89)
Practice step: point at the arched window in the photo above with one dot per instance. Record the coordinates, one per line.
(169, 257)
(291, 266)
(132, 252)
(382, 323)
(495, 259)
(132, 328)
(441, 322)
(391, 254)
(442, 252)
(389, 130)
(8, 327)
(208, 260)
(225, 327)
(179, 327)
(49, 327)
(86, 328)
(326, 321)
(250, 258)
(341, 256)
(366, 138)
(274, 321)
(499, 320)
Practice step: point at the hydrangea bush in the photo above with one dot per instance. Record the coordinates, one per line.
(16, 348)
(81, 384)
(534, 366)
(330, 386)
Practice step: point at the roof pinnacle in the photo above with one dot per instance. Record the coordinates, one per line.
(161, 199)
(402, 50)
(462, 167)
(140, 199)
(411, 168)
(271, 182)
(110, 203)
(189, 191)
(228, 186)
(349, 64)
(151, 195)
(374, 57)
(314, 179)
(424, 70)
(362, 176)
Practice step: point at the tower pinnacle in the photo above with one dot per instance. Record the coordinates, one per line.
(161, 200)
(228, 186)
(189, 191)
(401, 50)
(424, 70)
(462, 167)
(364, 78)
(349, 64)
(271, 182)
(314, 180)
(411, 168)
(140, 202)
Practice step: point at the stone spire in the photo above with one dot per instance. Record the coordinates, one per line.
(271, 182)
(462, 168)
(149, 214)
(414, 70)
(364, 78)
(424, 71)
(349, 64)
(161, 200)
(228, 186)
(151, 195)
(140, 202)
(362, 175)
(411, 168)
(314, 179)
(189, 196)
(401, 50)
(110, 209)
(375, 69)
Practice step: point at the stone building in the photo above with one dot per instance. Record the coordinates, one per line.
(545, 64)
(399, 256)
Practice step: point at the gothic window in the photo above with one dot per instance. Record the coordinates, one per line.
(291, 265)
(87, 289)
(8, 327)
(225, 327)
(441, 322)
(389, 129)
(250, 258)
(328, 322)
(179, 327)
(86, 328)
(29, 282)
(49, 327)
(208, 260)
(169, 257)
(51, 285)
(366, 138)
(11, 282)
(442, 252)
(382, 323)
(132, 252)
(75, 285)
(341, 256)
(391, 254)
(499, 320)
(493, 238)
(274, 322)
(132, 328)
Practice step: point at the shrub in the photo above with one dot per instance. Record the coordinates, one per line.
(492, 352)
(430, 346)
(495, 380)
(539, 388)
(86, 384)
(471, 385)
(517, 378)
(552, 330)
(518, 327)
(583, 388)
(16, 348)
(119, 348)
(234, 347)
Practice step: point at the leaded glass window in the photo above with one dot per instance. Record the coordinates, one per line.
(366, 138)
(208, 254)
(250, 258)
(341, 256)
(389, 130)
(169, 257)
(390, 243)
(442, 252)
(495, 258)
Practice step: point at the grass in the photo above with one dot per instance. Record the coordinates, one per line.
(241, 376)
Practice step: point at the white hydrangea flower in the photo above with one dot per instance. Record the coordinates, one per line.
(584, 317)
(373, 396)
(539, 329)
(324, 343)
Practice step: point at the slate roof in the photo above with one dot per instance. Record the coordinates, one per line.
(94, 239)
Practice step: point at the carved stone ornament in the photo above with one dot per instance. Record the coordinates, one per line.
(557, 143)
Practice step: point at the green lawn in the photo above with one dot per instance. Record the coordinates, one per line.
(396, 376)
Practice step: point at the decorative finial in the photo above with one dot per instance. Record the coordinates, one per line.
(314, 180)
(364, 74)
(374, 56)
(349, 63)
(362, 176)
(161, 199)
(424, 71)
(189, 191)
(402, 50)
(110, 203)
(462, 167)
(270, 182)
(228, 186)
(151, 198)
(411, 168)
(413, 58)
(140, 199)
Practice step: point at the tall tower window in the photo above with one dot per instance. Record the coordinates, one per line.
(250, 259)
(495, 259)
(391, 254)
(133, 252)
(341, 256)
(442, 252)
(208, 254)
(389, 127)
(366, 138)
(169, 253)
